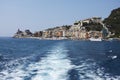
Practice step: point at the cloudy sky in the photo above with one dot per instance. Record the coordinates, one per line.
(41, 14)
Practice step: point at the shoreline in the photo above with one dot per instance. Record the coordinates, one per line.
(64, 38)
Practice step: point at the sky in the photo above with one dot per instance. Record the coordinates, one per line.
(38, 15)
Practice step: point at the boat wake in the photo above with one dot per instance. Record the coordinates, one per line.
(89, 70)
(54, 66)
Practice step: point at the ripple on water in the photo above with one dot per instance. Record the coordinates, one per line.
(54, 66)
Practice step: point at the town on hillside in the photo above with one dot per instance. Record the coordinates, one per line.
(83, 29)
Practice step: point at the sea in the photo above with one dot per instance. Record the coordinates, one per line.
(33, 59)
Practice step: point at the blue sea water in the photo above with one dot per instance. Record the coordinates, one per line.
(32, 59)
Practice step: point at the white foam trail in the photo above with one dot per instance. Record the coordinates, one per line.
(88, 72)
(54, 66)
(14, 72)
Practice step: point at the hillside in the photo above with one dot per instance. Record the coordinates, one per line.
(113, 22)
(93, 27)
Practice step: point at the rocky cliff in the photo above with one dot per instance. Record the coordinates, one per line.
(113, 22)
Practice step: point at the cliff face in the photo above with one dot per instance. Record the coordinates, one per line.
(113, 22)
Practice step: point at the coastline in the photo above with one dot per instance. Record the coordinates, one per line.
(64, 38)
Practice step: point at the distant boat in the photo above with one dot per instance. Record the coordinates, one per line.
(95, 39)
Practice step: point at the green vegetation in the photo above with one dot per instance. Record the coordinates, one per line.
(93, 26)
(113, 22)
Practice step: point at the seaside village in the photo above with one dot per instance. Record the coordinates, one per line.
(83, 29)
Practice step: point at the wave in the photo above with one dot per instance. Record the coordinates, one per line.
(89, 70)
(54, 66)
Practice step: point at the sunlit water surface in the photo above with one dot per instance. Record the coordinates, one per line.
(31, 59)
